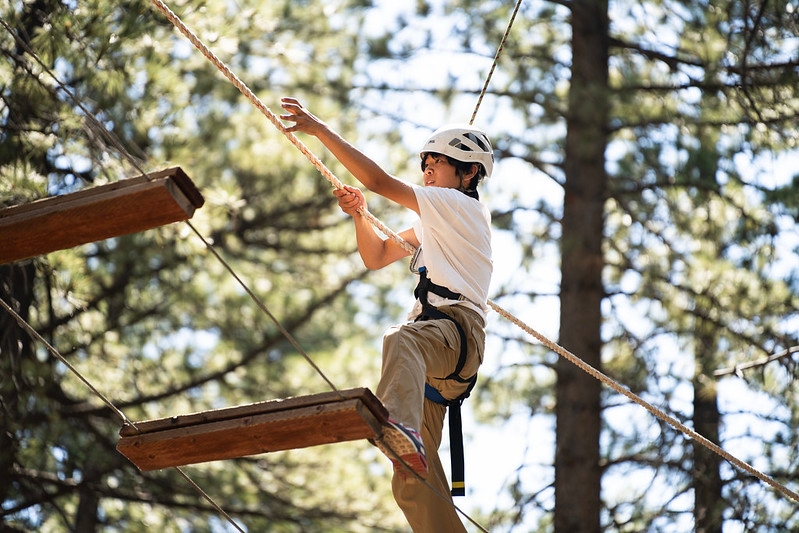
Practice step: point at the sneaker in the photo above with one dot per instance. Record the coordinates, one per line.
(398, 440)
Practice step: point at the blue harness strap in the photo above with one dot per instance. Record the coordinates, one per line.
(458, 470)
(431, 393)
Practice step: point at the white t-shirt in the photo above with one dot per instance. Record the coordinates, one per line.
(455, 233)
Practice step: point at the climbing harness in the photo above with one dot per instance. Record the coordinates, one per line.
(430, 312)
(431, 394)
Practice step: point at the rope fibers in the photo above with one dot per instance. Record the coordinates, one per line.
(502, 312)
(114, 141)
(408, 247)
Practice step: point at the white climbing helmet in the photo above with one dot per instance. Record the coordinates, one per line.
(462, 143)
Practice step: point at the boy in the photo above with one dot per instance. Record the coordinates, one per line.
(437, 355)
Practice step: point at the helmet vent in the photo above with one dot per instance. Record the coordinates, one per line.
(456, 143)
(463, 143)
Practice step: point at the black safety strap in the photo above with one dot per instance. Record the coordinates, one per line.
(457, 466)
(431, 393)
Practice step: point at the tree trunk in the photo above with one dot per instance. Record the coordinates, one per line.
(86, 517)
(16, 289)
(578, 410)
(706, 477)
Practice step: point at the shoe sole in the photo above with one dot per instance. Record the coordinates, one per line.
(396, 442)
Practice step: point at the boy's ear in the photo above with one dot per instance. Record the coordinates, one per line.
(467, 177)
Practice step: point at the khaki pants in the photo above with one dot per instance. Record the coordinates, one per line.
(412, 354)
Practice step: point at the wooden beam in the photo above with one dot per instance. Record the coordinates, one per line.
(120, 208)
(253, 429)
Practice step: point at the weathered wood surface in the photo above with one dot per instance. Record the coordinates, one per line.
(253, 429)
(120, 208)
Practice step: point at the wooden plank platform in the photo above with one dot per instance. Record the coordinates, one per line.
(120, 208)
(253, 429)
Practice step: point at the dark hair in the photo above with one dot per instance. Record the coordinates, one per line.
(461, 169)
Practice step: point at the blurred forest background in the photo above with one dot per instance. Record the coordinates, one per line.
(645, 208)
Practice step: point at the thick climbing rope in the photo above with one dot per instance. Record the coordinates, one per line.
(609, 381)
(599, 375)
(613, 384)
(253, 98)
(98, 128)
(100, 131)
(224, 69)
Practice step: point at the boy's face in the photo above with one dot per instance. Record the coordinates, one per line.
(438, 172)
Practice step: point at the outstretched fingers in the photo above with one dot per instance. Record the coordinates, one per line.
(303, 120)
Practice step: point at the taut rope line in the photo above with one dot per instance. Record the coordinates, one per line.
(115, 142)
(125, 420)
(50, 348)
(273, 118)
(262, 306)
(259, 303)
(602, 377)
(494, 63)
(615, 385)
(410, 248)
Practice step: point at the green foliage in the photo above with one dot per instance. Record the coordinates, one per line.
(697, 271)
(153, 319)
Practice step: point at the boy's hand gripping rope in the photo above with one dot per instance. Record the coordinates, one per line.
(410, 249)
(273, 118)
